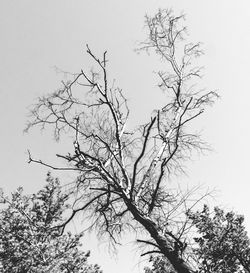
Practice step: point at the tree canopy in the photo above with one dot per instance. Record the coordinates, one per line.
(29, 243)
(223, 243)
(220, 244)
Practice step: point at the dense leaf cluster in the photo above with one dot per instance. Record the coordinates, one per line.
(159, 265)
(29, 241)
(221, 244)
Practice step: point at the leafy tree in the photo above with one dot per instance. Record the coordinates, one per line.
(222, 244)
(122, 174)
(28, 240)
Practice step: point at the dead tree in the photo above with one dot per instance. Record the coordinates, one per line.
(123, 174)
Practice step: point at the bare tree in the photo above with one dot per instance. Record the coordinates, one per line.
(122, 174)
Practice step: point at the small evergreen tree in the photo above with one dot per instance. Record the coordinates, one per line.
(221, 244)
(28, 240)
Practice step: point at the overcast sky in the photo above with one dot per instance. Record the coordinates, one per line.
(38, 35)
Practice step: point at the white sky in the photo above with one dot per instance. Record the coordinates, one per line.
(38, 35)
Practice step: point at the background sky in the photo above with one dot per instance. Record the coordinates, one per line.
(38, 35)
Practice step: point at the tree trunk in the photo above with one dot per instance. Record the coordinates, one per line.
(177, 262)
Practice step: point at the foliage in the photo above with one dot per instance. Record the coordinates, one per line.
(122, 174)
(28, 241)
(159, 265)
(221, 244)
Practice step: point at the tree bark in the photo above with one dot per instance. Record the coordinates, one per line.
(177, 262)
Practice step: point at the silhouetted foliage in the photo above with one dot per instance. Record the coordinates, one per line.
(159, 264)
(29, 243)
(221, 244)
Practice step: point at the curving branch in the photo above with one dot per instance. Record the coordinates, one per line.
(122, 176)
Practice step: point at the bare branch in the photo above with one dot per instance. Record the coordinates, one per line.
(122, 176)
